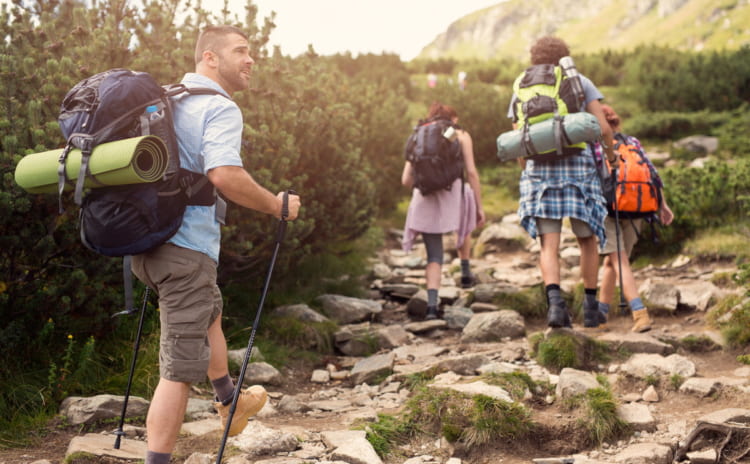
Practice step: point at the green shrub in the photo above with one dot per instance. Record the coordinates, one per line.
(712, 196)
(670, 125)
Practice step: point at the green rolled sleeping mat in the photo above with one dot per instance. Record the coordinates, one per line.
(128, 161)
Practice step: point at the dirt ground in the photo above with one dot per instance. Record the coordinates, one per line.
(557, 432)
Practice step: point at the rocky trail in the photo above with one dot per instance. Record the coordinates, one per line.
(313, 410)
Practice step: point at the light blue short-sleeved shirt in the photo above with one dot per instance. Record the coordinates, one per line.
(209, 135)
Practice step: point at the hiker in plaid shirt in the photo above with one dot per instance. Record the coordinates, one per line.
(567, 186)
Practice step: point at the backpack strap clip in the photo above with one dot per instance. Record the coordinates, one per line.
(528, 145)
(558, 128)
(62, 175)
(86, 144)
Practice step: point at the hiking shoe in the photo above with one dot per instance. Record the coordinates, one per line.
(557, 316)
(642, 321)
(468, 281)
(591, 313)
(249, 403)
(433, 312)
(591, 318)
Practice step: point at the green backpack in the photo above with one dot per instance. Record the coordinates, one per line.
(543, 92)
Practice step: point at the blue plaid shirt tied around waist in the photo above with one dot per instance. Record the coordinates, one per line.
(568, 187)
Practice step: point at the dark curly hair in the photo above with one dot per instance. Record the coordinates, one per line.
(548, 50)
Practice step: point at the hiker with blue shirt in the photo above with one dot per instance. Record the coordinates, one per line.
(564, 185)
(183, 270)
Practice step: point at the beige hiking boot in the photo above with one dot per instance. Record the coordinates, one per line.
(249, 403)
(642, 321)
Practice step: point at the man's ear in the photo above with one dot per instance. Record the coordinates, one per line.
(210, 58)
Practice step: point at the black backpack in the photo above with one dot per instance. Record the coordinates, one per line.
(128, 219)
(435, 155)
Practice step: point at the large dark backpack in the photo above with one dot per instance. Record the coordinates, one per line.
(128, 219)
(435, 155)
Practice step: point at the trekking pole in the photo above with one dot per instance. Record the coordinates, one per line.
(119, 433)
(238, 388)
(622, 304)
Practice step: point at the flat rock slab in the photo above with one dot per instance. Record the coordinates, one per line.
(103, 445)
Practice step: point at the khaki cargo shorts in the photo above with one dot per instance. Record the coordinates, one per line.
(629, 229)
(189, 301)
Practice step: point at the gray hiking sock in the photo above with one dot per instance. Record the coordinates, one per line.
(553, 295)
(590, 302)
(465, 268)
(152, 457)
(432, 297)
(224, 388)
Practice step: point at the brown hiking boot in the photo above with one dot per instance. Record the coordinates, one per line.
(249, 403)
(642, 321)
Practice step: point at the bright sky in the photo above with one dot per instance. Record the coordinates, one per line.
(403, 27)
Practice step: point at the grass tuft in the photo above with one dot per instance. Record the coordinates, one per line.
(601, 421)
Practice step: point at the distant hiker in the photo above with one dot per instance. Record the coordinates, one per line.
(183, 271)
(432, 80)
(562, 185)
(462, 80)
(628, 235)
(455, 208)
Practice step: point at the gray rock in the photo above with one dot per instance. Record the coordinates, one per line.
(301, 312)
(573, 382)
(636, 343)
(79, 410)
(645, 453)
(698, 144)
(261, 373)
(457, 317)
(372, 368)
(494, 326)
(637, 415)
(258, 439)
(644, 365)
(348, 310)
(659, 295)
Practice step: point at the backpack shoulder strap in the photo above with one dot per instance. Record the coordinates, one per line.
(172, 90)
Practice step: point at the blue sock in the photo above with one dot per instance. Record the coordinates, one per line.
(604, 308)
(432, 297)
(636, 304)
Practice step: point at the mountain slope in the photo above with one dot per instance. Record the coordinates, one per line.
(507, 29)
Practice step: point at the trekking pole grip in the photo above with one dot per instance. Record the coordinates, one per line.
(284, 214)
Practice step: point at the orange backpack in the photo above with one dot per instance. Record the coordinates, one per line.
(637, 192)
